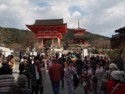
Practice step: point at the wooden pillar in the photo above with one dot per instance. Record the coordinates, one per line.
(58, 41)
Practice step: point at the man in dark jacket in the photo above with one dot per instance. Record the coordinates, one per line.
(36, 77)
(62, 62)
(23, 68)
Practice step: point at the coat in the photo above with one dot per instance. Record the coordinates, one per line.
(32, 72)
(55, 72)
(119, 90)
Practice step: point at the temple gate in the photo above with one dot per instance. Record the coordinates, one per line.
(48, 30)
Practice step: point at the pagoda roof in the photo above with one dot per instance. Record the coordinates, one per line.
(49, 22)
(82, 37)
(79, 28)
(48, 25)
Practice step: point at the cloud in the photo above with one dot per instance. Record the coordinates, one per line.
(96, 16)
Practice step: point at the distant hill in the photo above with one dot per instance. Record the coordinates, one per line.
(17, 38)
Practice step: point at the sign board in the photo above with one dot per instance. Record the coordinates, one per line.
(85, 52)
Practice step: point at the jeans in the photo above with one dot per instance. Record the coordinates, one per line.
(55, 86)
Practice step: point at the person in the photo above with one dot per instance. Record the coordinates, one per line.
(20, 88)
(31, 59)
(106, 76)
(23, 69)
(99, 72)
(55, 73)
(85, 61)
(21, 53)
(49, 62)
(11, 61)
(87, 78)
(102, 62)
(116, 85)
(78, 66)
(35, 75)
(43, 73)
(69, 72)
(6, 78)
(5, 68)
(62, 62)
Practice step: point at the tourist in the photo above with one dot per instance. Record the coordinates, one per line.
(55, 73)
(78, 66)
(31, 59)
(102, 62)
(62, 62)
(85, 61)
(20, 88)
(49, 62)
(69, 72)
(11, 61)
(106, 76)
(116, 85)
(23, 69)
(87, 78)
(6, 79)
(5, 68)
(99, 72)
(43, 73)
(35, 74)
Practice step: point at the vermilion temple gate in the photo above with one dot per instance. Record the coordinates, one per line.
(48, 30)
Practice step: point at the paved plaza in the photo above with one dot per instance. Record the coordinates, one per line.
(47, 86)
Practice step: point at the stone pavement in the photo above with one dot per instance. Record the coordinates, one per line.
(47, 86)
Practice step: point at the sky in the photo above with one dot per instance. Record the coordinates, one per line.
(101, 17)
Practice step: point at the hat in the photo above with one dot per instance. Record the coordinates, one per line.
(117, 75)
(114, 66)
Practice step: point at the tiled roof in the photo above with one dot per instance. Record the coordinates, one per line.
(82, 37)
(79, 28)
(49, 22)
(120, 29)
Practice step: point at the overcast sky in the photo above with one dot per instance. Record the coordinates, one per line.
(96, 16)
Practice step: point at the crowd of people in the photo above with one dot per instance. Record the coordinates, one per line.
(96, 75)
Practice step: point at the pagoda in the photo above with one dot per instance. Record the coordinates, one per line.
(79, 35)
(49, 29)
